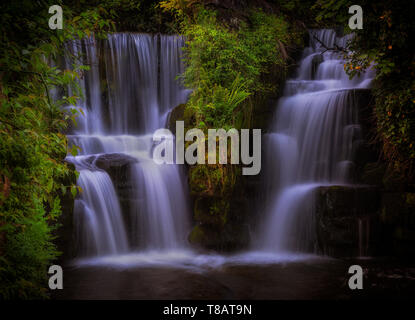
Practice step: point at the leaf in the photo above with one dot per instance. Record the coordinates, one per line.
(74, 191)
(74, 151)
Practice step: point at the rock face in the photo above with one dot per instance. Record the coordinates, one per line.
(346, 219)
(117, 165)
(397, 217)
(223, 231)
(220, 211)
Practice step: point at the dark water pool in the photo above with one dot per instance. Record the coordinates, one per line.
(296, 279)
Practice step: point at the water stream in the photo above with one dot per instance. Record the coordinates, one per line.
(129, 91)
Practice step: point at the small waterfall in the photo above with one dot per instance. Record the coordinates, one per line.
(98, 216)
(312, 143)
(127, 201)
(162, 217)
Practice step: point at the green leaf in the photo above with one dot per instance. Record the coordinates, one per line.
(74, 191)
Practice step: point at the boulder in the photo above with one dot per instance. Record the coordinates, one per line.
(114, 161)
(117, 165)
(220, 206)
(347, 201)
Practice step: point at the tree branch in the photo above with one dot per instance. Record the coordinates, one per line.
(335, 48)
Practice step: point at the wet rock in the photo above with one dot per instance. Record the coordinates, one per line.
(112, 161)
(117, 165)
(347, 201)
(220, 207)
(315, 62)
(217, 229)
(223, 240)
(398, 223)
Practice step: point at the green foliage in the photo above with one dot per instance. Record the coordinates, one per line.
(226, 66)
(220, 105)
(33, 174)
(128, 15)
(332, 12)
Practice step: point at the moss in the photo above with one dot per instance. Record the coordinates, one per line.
(213, 179)
(211, 211)
(196, 235)
(177, 114)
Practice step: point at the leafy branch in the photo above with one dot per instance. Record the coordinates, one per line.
(335, 48)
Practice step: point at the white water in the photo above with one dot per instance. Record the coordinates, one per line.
(128, 94)
(188, 259)
(311, 144)
(104, 232)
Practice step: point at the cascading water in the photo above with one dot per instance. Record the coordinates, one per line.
(311, 143)
(129, 91)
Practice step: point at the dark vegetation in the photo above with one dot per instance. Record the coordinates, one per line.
(33, 175)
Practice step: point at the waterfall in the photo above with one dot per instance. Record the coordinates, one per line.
(127, 201)
(311, 143)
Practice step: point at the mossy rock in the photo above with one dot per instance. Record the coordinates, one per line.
(211, 211)
(176, 114)
(200, 236)
(221, 224)
(227, 240)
